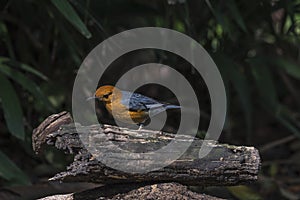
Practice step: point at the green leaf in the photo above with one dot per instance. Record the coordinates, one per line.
(240, 83)
(11, 107)
(288, 125)
(236, 14)
(75, 51)
(265, 84)
(4, 35)
(26, 83)
(243, 192)
(288, 66)
(268, 94)
(70, 14)
(8, 61)
(222, 19)
(10, 172)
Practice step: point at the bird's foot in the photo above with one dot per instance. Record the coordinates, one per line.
(140, 127)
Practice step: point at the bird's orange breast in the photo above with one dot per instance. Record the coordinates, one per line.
(121, 113)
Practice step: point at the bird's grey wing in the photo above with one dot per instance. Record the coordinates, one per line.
(135, 101)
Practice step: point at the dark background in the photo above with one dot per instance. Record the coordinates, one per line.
(255, 45)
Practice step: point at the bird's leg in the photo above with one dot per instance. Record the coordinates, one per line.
(140, 126)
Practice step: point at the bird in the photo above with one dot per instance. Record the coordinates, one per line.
(130, 107)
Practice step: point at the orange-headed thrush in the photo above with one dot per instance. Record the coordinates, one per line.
(130, 107)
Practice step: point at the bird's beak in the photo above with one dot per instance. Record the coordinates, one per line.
(90, 98)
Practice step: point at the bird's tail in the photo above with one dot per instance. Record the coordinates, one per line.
(158, 108)
(172, 107)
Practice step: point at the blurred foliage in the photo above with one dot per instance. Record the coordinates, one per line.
(243, 193)
(255, 44)
(10, 172)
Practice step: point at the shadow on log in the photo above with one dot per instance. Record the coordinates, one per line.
(224, 165)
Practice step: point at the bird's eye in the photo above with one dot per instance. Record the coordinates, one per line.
(107, 95)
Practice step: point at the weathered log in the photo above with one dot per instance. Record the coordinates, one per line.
(48, 126)
(135, 191)
(224, 165)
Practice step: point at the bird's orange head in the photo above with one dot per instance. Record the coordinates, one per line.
(106, 93)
